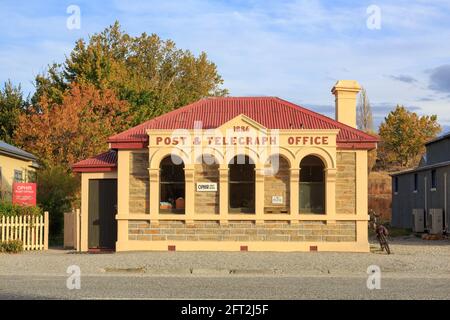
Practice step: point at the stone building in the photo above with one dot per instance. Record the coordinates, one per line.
(226, 173)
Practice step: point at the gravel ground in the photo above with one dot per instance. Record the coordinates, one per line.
(412, 257)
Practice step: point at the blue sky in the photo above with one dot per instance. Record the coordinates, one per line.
(292, 49)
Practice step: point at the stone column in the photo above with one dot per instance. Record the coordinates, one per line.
(189, 194)
(154, 195)
(294, 189)
(223, 194)
(259, 193)
(330, 195)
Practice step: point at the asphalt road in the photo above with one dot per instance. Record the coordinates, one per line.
(135, 286)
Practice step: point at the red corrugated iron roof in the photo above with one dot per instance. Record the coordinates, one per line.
(104, 162)
(271, 112)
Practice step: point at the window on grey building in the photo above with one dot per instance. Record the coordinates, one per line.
(396, 184)
(416, 182)
(18, 176)
(433, 179)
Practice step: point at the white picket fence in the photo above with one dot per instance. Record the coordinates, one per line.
(31, 230)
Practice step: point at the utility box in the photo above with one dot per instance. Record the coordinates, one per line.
(418, 220)
(435, 221)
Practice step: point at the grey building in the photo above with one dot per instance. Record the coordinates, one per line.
(424, 189)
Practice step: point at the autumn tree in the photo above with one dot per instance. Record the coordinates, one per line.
(404, 134)
(12, 105)
(152, 74)
(77, 128)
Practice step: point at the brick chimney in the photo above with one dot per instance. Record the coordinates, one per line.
(345, 92)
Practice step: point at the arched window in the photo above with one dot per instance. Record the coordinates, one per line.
(312, 185)
(241, 181)
(172, 185)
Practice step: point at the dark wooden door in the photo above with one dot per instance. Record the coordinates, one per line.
(102, 212)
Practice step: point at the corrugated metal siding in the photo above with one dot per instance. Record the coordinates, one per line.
(271, 112)
(406, 199)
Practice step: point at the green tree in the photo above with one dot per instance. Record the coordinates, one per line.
(56, 191)
(151, 74)
(50, 84)
(12, 105)
(404, 134)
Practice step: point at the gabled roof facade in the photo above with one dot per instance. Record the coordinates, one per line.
(103, 162)
(271, 112)
(13, 151)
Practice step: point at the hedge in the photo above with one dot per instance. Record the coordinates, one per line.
(11, 246)
(8, 209)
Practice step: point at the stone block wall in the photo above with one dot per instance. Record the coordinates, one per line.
(277, 184)
(207, 202)
(346, 182)
(320, 231)
(139, 183)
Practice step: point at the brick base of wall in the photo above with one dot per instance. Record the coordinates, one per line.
(318, 231)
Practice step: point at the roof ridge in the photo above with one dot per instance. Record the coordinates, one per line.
(172, 119)
(325, 118)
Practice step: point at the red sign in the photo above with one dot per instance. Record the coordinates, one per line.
(24, 193)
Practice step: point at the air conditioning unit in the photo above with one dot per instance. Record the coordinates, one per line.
(418, 220)
(435, 221)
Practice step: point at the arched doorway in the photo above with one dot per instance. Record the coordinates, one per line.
(241, 181)
(312, 185)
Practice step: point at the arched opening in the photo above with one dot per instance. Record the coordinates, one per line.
(207, 185)
(277, 185)
(241, 181)
(312, 185)
(172, 185)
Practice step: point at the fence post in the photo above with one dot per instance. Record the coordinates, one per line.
(46, 230)
(78, 230)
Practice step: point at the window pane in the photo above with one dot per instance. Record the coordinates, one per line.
(312, 197)
(242, 196)
(242, 172)
(312, 185)
(311, 174)
(172, 185)
(18, 176)
(241, 186)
